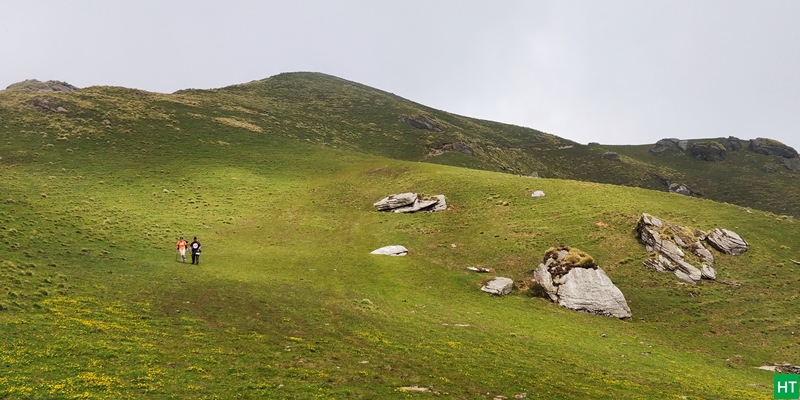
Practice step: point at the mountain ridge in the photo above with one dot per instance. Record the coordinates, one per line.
(335, 112)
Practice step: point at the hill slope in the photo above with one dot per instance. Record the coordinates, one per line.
(288, 303)
(333, 112)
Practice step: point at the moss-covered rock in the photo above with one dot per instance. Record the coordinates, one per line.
(772, 147)
(708, 151)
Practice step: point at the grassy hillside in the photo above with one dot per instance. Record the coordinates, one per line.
(332, 111)
(336, 113)
(287, 301)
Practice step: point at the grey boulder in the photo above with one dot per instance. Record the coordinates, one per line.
(793, 164)
(395, 201)
(664, 145)
(610, 155)
(572, 280)
(772, 148)
(411, 202)
(728, 242)
(499, 286)
(591, 290)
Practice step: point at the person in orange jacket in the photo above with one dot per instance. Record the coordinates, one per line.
(181, 247)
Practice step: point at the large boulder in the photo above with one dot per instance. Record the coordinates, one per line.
(708, 151)
(462, 148)
(422, 122)
(793, 164)
(728, 242)
(772, 148)
(664, 145)
(570, 278)
(732, 143)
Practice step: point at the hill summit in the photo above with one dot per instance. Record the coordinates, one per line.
(49, 86)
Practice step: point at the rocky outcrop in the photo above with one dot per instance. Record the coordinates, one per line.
(455, 146)
(667, 243)
(682, 189)
(394, 250)
(610, 155)
(664, 145)
(732, 143)
(793, 164)
(499, 286)
(781, 368)
(422, 122)
(49, 86)
(727, 242)
(708, 151)
(411, 202)
(571, 279)
(49, 105)
(772, 148)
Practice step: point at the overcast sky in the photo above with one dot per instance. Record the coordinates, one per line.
(614, 72)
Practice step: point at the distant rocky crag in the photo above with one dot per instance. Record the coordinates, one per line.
(716, 150)
(49, 86)
(45, 103)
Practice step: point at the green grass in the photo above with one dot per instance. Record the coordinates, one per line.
(287, 301)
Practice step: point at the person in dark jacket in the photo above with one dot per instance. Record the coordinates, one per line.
(195, 248)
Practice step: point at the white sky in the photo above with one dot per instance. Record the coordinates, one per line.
(611, 71)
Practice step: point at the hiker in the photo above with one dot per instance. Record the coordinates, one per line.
(195, 248)
(181, 248)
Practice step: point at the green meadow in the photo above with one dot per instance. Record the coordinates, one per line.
(287, 302)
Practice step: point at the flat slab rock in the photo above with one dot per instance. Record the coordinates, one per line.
(411, 202)
(499, 286)
(395, 201)
(394, 250)
(416, 206)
